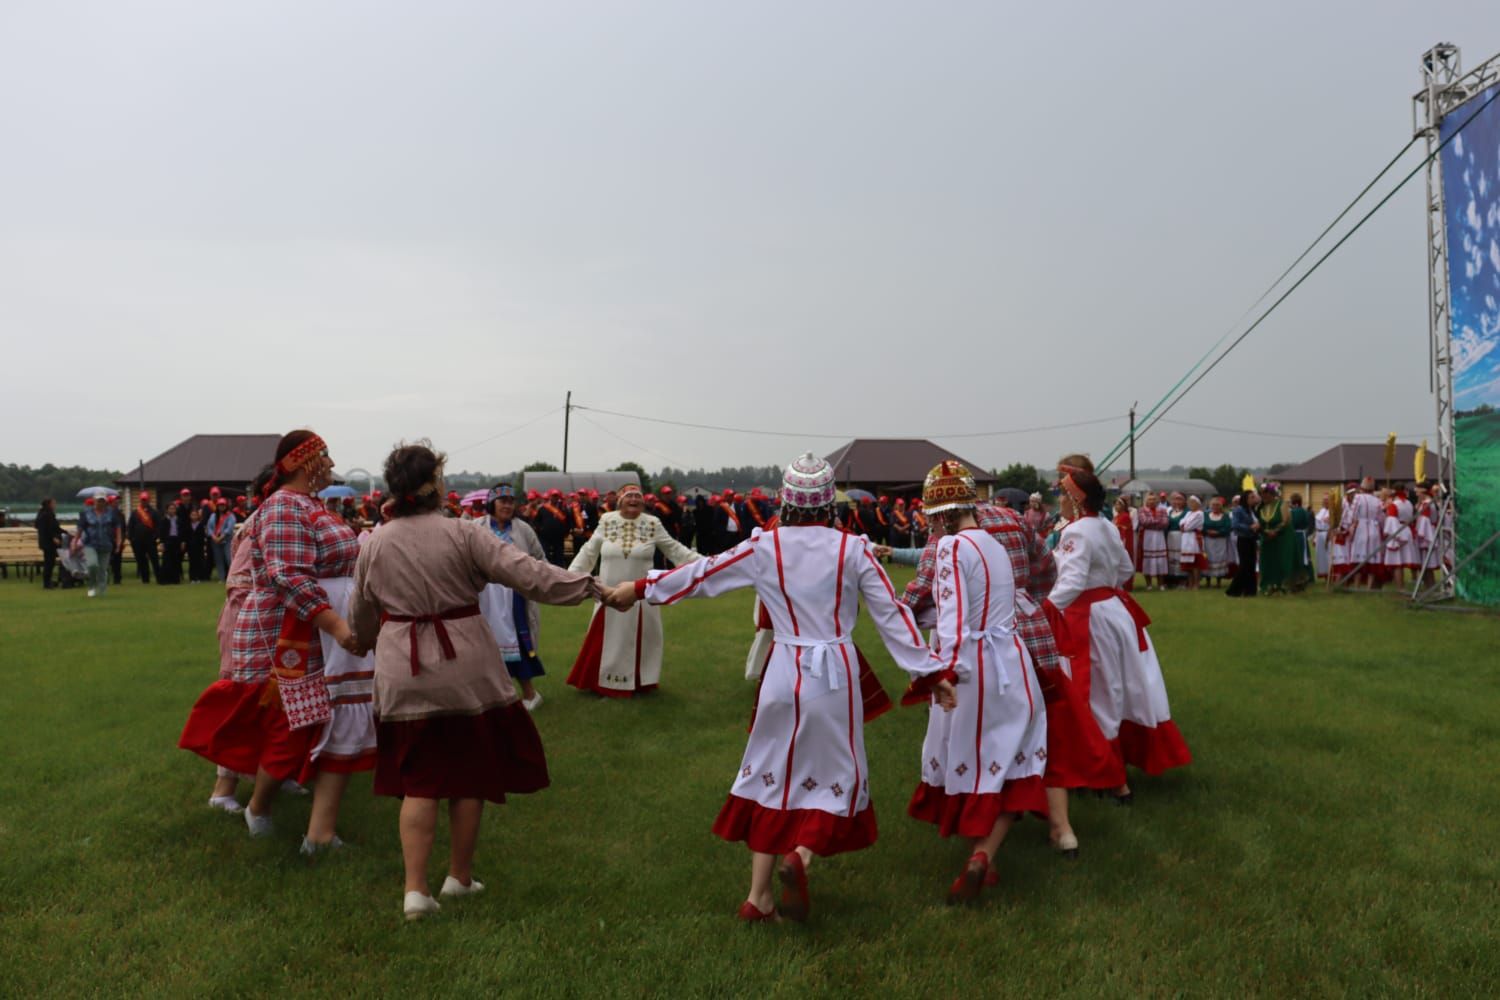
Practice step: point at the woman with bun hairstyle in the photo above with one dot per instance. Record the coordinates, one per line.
(269, 714)
(451, 723)
(1102, 630)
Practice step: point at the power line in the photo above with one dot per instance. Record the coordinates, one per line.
(639, 447)
(1114, 453)
(510, 430)
(810, 434)
(1275, 434)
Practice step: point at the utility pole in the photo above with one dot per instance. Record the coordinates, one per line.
(567, 418)
(1132, 438)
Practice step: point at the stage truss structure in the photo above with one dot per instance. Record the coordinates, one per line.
(1445, 87)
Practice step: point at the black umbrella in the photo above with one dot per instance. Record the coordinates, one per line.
(1015, 496)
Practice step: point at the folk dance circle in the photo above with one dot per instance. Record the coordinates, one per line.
(410, 649)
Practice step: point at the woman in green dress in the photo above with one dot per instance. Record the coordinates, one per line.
(1277, 541)
(1302, 533)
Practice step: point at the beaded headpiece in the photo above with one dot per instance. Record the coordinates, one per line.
(807, 483)
(294, 459)
(949, 486)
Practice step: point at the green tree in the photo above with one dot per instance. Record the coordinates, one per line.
(645, 480)
(540, 467)
(1226, 480)
(1022, 477)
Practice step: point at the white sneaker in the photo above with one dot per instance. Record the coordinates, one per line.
(228, 803)
(92, 592)
(260, 826)
(453, 887)
(309, 849)
(533, 703)
(417, 905)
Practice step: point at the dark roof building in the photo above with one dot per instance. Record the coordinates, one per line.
(897, 465)
(1346, 463)
(228, 461)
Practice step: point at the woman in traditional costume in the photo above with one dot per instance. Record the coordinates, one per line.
(1176, 511)
(451, 725)
(1125, 525)
(1277, 543)
(1102, 631)
(1322, 525)
(1153, 543)
(1218, 543)
(1191, 551)
(803, 783)
(267, 718)
(1424, 527)
(1301, 521)
(513, 619)
(1400, 541)
(621, 655)
(982, 762)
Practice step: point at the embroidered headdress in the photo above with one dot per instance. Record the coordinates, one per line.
(808, 483)
(949, 486)
(294, 459)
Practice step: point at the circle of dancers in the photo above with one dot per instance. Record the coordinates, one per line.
(411, 649)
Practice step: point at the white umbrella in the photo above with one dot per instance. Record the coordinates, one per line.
(96, 491)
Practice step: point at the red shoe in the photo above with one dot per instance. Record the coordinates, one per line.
(965, 888)
(750, 914)
(794, 903)
(991, 877)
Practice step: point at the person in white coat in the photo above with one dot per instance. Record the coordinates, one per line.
(621, 655)
(1102, 631)
(982, 763)
(803, 785)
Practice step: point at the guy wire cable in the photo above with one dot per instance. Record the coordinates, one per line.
(1319, 263)
(1116, 451)
(810, 434)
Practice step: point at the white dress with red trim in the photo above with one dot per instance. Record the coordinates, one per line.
(987, 756)
(348, 740)
(621, 653)
(1400, 538)
(1153, 524)
(1366, 519)
(803, 780)
(1102, 631)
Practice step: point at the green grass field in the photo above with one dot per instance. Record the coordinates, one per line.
(1335, 836)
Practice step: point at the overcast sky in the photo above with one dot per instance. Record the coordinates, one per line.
(394, 220)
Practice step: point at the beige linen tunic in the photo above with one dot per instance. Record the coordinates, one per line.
(427, 564)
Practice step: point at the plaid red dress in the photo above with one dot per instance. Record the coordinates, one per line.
(293, 542)
(237, 723)
(1031, 563)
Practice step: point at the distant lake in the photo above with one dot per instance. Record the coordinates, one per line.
(25, 510)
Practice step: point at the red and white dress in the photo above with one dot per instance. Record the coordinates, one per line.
(1153, 525)
(1102, 631)
(803, 780)
(1400, 539)
(1191, 553)
(987, 756)
(239, 723)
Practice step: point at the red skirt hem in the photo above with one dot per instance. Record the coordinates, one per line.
(484, 756)
(229, 726)
(1078, 754)
(585, 673)
(1153, 749)
(777, 831)
(974, 814)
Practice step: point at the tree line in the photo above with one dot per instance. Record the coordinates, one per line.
(23, 484)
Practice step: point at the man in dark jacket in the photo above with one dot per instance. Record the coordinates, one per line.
(176, 531)
(142, 531)
(48, 539)
(117, 518)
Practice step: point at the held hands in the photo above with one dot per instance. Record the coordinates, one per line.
(620, 597)
(946, 695)
(882, 552)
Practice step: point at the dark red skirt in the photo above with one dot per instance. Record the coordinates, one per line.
(229, 726)
(777, 831)
(1153, 749)
(485, 756)
(974, 815)
(585, 672)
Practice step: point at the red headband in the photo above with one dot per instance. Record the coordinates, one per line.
(1074, 491)
(294, 459)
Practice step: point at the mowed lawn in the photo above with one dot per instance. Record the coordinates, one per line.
(1335, 836)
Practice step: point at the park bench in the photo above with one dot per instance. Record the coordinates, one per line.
(18, 548)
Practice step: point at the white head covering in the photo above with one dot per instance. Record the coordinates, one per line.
(808, 483)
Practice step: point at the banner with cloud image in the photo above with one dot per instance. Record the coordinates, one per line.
(1471, 192)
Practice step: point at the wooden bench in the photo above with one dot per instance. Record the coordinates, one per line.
(18, 548)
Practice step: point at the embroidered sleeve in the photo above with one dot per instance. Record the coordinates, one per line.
(893, 619)
(1072, 569)
(719, 574)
